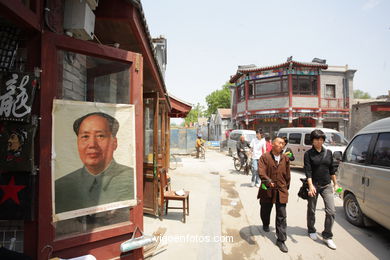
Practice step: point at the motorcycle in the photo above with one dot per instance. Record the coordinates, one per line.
(247, 162)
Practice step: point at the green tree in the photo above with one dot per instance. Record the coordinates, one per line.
(218, 99)
(194, 114)
(360, 94)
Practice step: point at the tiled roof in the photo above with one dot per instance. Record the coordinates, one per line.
(225, 112)
(138, 5)
(285, 64)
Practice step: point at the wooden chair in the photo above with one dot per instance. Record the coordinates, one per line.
(168, 194)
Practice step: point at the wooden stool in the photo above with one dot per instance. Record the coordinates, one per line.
(171, 195)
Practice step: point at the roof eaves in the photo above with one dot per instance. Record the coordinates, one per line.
(234, 78)
(137, 4)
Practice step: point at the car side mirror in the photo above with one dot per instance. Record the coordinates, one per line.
(337, 156)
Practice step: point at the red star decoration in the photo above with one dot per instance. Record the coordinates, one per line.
(11, 191)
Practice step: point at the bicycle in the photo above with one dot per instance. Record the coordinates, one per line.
(247, 164)
(172, 162)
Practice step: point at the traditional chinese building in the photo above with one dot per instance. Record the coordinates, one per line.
(292, 93)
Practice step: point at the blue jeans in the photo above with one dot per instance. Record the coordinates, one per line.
(255, 174)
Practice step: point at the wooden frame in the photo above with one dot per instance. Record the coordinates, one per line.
(160, 154)
(105, 242)
(26, 17)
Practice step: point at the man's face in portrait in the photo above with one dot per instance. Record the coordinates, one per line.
(14, 143)
(95, 142)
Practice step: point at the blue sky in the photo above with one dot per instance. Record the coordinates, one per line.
(207, 40)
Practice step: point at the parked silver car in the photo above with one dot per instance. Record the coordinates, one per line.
(364, 174)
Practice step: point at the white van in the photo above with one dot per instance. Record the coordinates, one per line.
(364, 174)
(299, 141)
(234, 137)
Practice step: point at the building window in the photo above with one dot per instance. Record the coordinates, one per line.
(330, 91)
(88, 78)
(276, 86)
(241, 92)
(251, 90)
(305, 85)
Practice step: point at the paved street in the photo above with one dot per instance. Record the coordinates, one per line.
(223, 203)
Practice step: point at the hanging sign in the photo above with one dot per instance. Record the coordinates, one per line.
(16, 96)
(16, 147)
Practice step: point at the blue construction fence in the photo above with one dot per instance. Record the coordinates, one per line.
(183, 140)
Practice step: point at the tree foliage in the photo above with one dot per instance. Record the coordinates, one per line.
(194, 114)
(218, 99)
(360, 94)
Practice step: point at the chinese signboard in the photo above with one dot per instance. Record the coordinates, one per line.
(16, 96)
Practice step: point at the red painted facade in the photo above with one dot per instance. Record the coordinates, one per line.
(288, 94)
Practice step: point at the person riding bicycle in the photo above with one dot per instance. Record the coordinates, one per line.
(241, 145)
(199, 143)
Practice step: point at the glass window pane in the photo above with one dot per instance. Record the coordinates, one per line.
(357, 151)
(251, 89)
(335, 139)
(307, 139)
(314, 85)
(87, 78)
(267, 88)
(304, 85)
(294, 138)
(295, 85)
(148, 127)
(382, 150)
(330, 91)
(285, 85)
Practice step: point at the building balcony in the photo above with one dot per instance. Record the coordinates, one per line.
(335, 103)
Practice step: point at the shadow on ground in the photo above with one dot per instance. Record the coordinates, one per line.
(364, 234)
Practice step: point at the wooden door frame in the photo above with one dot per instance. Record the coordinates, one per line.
(94, 242)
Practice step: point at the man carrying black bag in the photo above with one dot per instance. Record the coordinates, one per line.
(320, 172)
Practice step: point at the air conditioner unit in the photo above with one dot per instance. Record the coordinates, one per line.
(93, 3)
(79, 19)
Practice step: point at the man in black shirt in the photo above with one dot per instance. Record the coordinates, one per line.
(320, 170)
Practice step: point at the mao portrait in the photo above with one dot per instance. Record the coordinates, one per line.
(16, 147)
(101, 179)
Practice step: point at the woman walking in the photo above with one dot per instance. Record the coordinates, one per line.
(320, 171)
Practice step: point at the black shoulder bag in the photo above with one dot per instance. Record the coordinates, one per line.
(303, 192)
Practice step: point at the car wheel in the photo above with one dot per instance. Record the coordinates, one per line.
(352, 210)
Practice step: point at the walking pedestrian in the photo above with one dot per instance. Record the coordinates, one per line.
(319, 170)
(258, 147)
(274, 171)
(199, 144)
(287, 150)
(268, 142)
